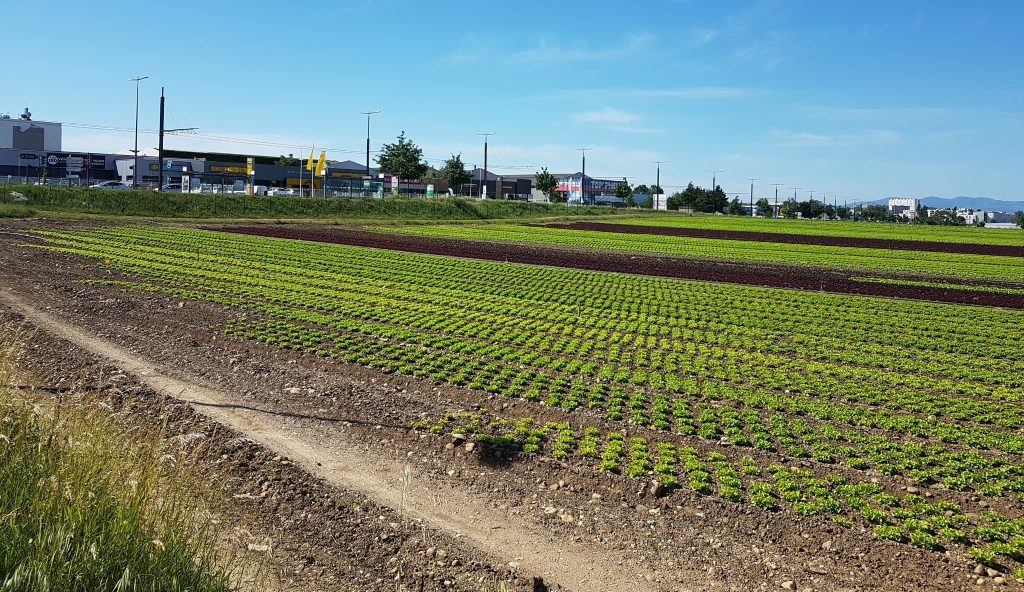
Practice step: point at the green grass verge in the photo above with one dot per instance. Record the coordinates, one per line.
(10, 211)
(84, 507)
(188, 206)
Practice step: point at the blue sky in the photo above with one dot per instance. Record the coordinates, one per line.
(858, 100)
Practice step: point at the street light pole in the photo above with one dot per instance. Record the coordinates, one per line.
(135, 168)
(583, 177)
(483, 178)
(776, 185)
(714, 179)
(368, 114)
(657, 182)
(752, 196)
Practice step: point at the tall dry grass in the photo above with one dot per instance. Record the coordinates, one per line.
(86, 505)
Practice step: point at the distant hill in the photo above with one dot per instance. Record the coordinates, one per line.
(975, 203)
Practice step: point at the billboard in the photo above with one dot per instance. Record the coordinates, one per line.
(74, 163)
(595, 187)
(18, 134)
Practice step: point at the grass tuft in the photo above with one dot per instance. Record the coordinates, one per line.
(83, 507)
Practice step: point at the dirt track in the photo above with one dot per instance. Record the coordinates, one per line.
(797, 239)
(456, 513)
(761, 274)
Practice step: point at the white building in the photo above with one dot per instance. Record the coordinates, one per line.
(25, 134)
(971, 217)
(905, 207)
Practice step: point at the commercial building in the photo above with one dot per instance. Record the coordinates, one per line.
(587, 190)
(31, 150)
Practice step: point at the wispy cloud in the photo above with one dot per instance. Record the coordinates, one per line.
(614, 120)
(798, 139)
(632, 129)
(702, 36)
(606, 116)
(875, 113)
(699, 92)
(547, 52)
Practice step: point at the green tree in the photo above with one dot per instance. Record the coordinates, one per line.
(789, 208)
(764, 207)
(657, 189)
(453, 172)
(1018, 219)
(289, 160)
(812, 209)
(623, 191)
(546, 183)
(644, 189)
(678, 199)
(735, 208)
(718, 199)
(403, 159)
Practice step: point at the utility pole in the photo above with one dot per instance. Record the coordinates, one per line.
(776, 185)
(752, 195)
(483, 178)
(657, 183)
(714, 179)
(160, 145)
(368, 114)
(583, 177)
(135, 167)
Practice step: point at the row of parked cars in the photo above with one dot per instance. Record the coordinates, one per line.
(238, 188)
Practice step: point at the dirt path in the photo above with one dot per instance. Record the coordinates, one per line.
(578, 568)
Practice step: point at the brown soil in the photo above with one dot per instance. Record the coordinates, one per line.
(335, 511)
(760, 274)
(798, 239)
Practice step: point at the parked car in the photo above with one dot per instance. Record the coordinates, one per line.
(171, 188)
(110, 185)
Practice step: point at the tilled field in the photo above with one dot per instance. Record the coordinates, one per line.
(798, 239)
(170, 301)
(761, 274)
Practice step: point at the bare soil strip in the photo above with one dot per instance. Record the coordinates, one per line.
(796, 239)
(759, 274)
(574, 568)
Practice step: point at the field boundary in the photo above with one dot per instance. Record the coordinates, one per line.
(795, 239)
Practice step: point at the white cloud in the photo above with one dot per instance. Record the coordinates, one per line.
(696, 93)
(875, 113)
(701, 36)
(606, 116)
(554, 53)
(797, 139)
(630, 129)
